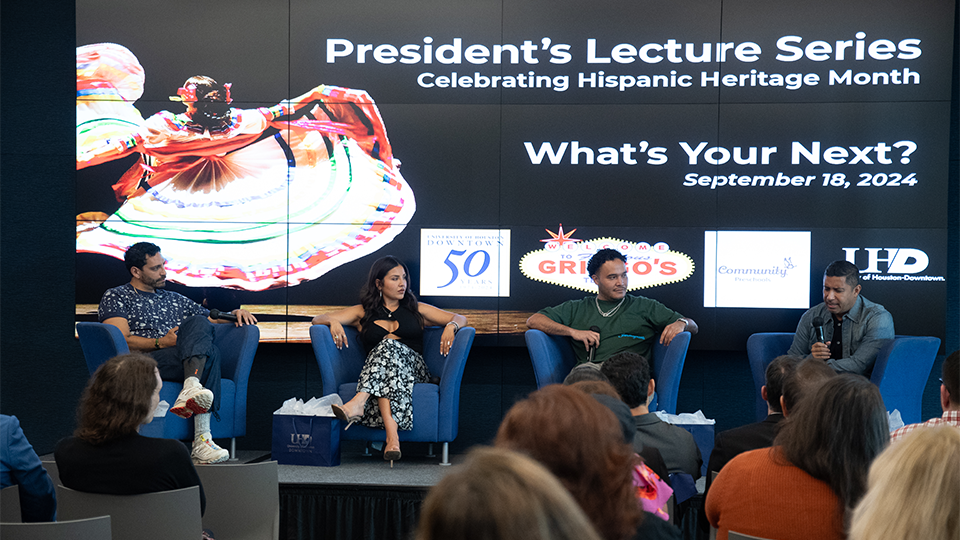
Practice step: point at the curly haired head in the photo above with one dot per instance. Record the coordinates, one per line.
(498, 494)
(117, 398)
(581, 443)
(629, 373)
(602, 256)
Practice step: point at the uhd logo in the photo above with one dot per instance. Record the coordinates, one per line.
(302, 441)
(897, 260)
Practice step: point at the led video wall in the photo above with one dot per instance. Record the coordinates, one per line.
(731, 150)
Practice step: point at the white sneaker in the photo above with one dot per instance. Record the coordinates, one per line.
(193, 399)
(207, 451)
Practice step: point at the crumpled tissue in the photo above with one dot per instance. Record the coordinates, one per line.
(894, 421)
(685, 418)
(313, 407)
(161, 409)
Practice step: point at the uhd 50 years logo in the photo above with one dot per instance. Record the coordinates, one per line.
(465, 262)
(563, 261)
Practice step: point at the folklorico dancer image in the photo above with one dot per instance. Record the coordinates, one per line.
(249, 199)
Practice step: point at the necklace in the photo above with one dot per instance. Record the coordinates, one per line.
(140, 293)
(610, 313)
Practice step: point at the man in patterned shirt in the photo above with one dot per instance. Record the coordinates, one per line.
(177, 333)
(949, 399)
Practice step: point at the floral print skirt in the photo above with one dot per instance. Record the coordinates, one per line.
(390, 371)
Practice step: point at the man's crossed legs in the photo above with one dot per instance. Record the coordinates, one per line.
(196, 361)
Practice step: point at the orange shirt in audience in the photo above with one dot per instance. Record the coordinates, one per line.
(758, 493)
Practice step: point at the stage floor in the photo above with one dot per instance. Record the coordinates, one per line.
(414, 470)
(355, 469)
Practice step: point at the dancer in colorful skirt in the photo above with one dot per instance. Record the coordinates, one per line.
(250, 199)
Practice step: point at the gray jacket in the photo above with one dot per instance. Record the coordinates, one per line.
(866, 328)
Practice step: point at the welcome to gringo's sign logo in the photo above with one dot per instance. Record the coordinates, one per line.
(563, 261)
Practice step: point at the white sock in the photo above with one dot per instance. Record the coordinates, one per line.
(190, 382)
(201, 425)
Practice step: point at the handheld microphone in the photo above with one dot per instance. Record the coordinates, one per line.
(818, 330)
(217, 314)
(592, 352)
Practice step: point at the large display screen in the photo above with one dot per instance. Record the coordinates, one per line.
(730, 149)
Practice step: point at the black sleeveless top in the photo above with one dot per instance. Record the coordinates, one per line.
(409, 331)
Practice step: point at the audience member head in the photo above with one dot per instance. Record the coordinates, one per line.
(597, 387)
(499, 494)
(607, 395)
(950, 389)
(136, 255)
(121, 395)
(804, 379)
(835, 434)
(602, 256)
(914, 489)
(846, 270)
(629, 373)
(581, 443)
(585, 372)
(620, 411)
(777, 371)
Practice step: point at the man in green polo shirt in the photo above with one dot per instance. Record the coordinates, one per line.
(626, 322)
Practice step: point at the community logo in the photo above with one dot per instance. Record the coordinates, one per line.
(759, 273)
(756, 269)
(563, 261)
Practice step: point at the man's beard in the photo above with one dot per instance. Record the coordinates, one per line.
(158, 283)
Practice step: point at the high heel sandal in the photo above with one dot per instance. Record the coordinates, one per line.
(342, 416)
(391, 455)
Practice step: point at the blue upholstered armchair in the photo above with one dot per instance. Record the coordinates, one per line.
(901, 370)
(436, 408)
(762, 348)
(238, 345)
(553, 358)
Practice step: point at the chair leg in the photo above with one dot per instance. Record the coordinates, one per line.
(233, 448)
(366, 449)
(446, 454)
(430, 450)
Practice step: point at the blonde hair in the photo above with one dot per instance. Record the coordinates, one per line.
(499, 494)
(914, 489)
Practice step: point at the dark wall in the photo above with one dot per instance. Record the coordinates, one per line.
(41, 367)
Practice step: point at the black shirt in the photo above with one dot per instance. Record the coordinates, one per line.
(409, 331)
(128, 465)
(836, 342)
